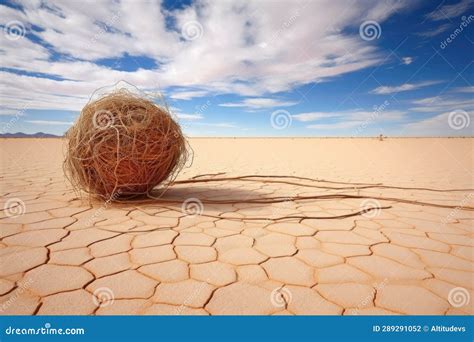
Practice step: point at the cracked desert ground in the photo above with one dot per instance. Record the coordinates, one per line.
(59, 249)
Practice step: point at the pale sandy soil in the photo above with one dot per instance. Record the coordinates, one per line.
(155, 258)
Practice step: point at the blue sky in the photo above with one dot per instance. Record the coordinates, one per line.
(246, 68)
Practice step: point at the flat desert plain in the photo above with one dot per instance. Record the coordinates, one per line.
(289, 226)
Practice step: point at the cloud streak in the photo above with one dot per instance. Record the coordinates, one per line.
(50, 122)
(449, 11)
(258, 103)
(383, 90)
(188, 95)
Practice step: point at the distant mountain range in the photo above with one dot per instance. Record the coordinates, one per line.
(24, 135)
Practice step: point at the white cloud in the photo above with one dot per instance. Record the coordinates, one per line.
(464, 90)
(454, 123)
(256, 103)
(188, 95)
(12, 112)
(353, 115)
(189, 117)
(407, 60)
(50, 122)
(382, 90)
(441, 103)
(427, 100)
(358, 122)
(337, 125)
(435, 32)
(349, 119)
(449, 11)
(218, 124)
(305, 42)
(313, 116)
(395, 89)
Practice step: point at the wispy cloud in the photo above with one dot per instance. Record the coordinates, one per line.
(452, 123)
(257, 103)
(188, 95)
(218, 124)
(463, 90)
(50, 122)
(12, 112)
(335, 126)
(189, 117)
(434, 32)
(444, 103)
(350, 118)
(449, 11)
(382, 90)
(313, 116)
